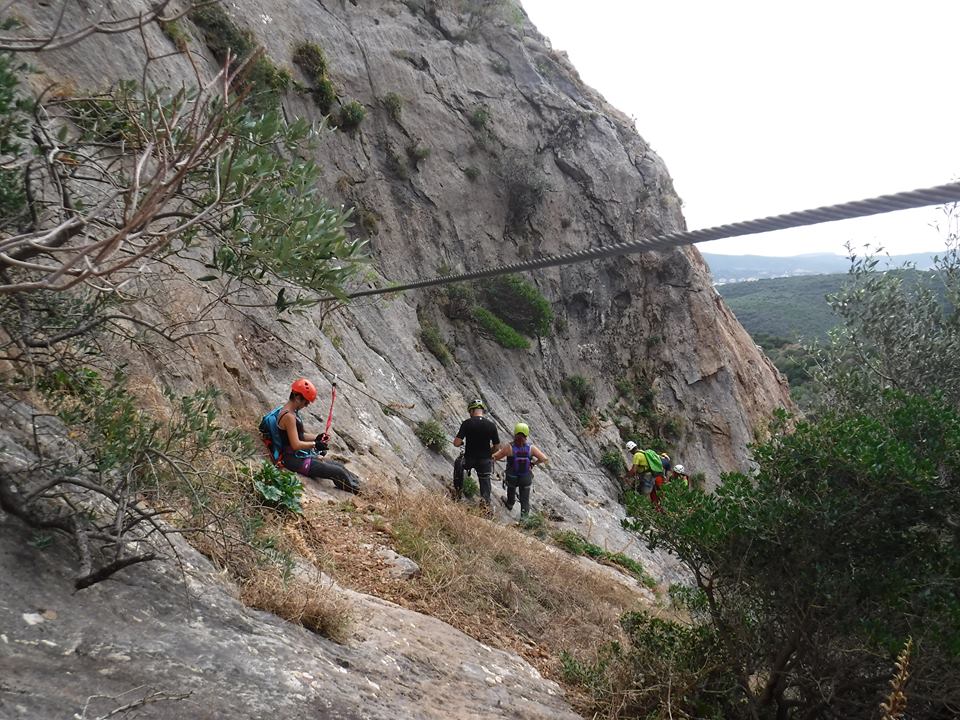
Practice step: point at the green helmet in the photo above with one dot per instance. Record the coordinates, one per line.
(475, 404)
(521, 429)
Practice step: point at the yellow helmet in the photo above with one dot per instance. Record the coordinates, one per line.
(521, 429)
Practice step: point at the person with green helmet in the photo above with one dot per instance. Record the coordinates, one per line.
(482, 440)
(521, 458)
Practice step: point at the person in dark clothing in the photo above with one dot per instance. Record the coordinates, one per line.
(521, 458)
(481, 439)
(301, 455)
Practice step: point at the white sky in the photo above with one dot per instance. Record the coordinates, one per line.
(765, 107)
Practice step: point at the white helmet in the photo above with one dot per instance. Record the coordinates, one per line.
(631, 446)
(678, 469)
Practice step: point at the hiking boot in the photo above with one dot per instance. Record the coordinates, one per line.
(508, 506)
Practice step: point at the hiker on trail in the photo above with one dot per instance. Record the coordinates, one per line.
(482, 440)
(647, 468)
(680, 473)
(300, 455)
(521, 458)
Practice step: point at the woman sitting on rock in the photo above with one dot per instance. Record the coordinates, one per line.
(302, 456)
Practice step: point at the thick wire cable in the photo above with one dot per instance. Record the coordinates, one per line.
(908, 200)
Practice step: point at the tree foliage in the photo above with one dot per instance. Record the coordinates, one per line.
(895, 336)
(810, 574)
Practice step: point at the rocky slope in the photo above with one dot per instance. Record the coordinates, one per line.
(546, 167)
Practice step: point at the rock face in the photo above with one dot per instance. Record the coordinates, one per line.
(524, 160)
(150, 633)
(480, 145)
(172, 632)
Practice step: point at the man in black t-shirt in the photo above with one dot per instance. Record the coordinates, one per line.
(482, 441)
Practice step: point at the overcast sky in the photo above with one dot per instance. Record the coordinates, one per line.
(759, 107)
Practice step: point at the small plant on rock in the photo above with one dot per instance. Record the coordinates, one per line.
(351, 115)
(431, 434)
(434, 342)
(479, 118)
(394, 105)
(279, 488)
(502, 333)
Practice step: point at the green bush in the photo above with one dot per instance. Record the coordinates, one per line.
(13, 123)
(576, 544)
(470, 487)
(519, 304)
(480, 118)
(417, 152)
(534, 523)
(612, 460)
(579, 391)
(310, 58)
(472, 173)
(502, 333)
(176, 34)
(263, 80)
(431, 434)
(394, 105)
(351, 115)
(434, 342)
(279, 488)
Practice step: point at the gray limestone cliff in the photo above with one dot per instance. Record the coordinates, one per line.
(480, 145)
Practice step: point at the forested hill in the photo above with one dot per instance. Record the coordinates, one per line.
(738, 268)
(794, 308)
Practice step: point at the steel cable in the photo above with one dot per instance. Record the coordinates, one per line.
(925, 197)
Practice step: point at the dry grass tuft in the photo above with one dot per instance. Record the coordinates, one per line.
(314, 605)
(502, 586)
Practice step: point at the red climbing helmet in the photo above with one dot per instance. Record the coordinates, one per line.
(306, 388)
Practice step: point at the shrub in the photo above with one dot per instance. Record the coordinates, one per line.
(396, 164)
(470, 487)
(393, 104)
(263, 79)
(612, 460)
(351, 115)
(279, 488)
(13, 123)
(519, 304)
(525, 186)
(480, 117)
(534, 523)
(310, 58)
(806, 498)
(579, 391)
(472, 173)
(324, 95)
(176, 34)
(432, 340)
(502, 333)
(417, 152)
(576, 544)
(431, 434)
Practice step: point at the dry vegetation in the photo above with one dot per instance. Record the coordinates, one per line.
(493, 582)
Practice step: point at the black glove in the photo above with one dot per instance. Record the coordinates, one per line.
(321, 445)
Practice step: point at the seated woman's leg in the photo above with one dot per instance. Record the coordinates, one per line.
(342, 478)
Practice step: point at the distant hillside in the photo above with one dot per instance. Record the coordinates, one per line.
(788, 307)
(791, 307)
(737, 268)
